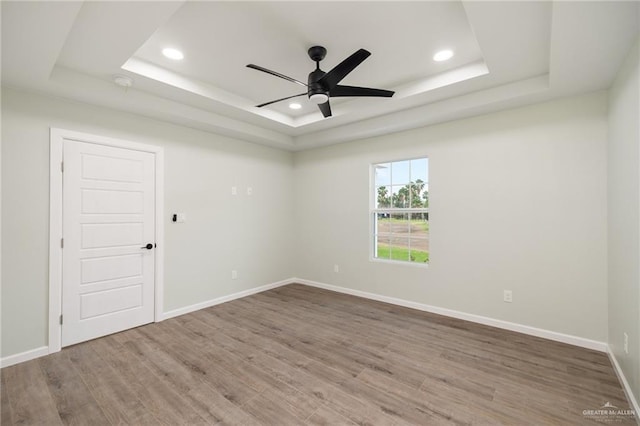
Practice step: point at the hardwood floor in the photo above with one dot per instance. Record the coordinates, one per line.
(298, 355)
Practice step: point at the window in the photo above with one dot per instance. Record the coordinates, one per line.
(400, 210)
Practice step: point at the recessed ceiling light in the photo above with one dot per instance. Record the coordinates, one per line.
(295, 105)
(443, 55)
(172, 53)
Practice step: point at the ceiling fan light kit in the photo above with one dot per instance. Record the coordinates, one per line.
(319, 98)
(321, 86)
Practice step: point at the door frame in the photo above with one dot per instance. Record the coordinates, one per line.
(57, 137)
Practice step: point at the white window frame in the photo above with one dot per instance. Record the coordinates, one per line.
(374, 211)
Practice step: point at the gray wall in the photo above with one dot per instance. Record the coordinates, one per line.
(517, 201)
(249, 234)
(624, 218)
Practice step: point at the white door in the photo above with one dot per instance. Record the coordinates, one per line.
(108, 231)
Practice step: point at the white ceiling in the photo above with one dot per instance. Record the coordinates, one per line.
(506, 54)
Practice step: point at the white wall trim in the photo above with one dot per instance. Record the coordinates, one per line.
(46, 350)
(24, 356)
(159, 249)
(223, 299)
(57, 137)
(55, 235)
(533, 331)
(524, 329)
(625, 384)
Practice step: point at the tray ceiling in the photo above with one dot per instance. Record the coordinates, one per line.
(506, 54)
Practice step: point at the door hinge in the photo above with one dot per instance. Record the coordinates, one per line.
(61, 320)
(62, 166)
(61, 242)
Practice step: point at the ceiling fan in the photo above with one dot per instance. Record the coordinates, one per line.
(324, 85)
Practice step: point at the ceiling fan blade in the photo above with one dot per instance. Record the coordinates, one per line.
(278, 100)
(277, 74)
(325, 108)
(340, 71)
(339, 91)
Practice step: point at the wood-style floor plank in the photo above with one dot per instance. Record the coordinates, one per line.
(157, 395)
(118, 402)
(74, 402)
(325, 416)
(5, 407)
(27, 396)
(298, 355)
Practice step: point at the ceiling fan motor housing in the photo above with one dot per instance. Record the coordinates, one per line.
(316, 88)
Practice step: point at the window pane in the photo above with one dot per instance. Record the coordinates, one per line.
(425, 195)
(382, 248)
(399, 238)
(383, 194)
(383, 224)
(419, 250)
(400, 172)
(383, 174)
(399, 223)
(382, 235)
(419, 170)
(416, 191)
(399, 248)
(419, 225)
(400, 196)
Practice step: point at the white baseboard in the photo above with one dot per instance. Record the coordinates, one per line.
(525, 329)
(24, 356)
(223, 299)
(44, 350)
(547, 334)
(625, 384)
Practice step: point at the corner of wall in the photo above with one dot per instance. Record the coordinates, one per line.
(623, 224)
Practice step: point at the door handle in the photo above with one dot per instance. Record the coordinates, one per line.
(148, 246)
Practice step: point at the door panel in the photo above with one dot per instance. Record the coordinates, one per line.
(96, 235)
(106, 168)
(101, 201)
(108, 217)
(98, 269)
(110, 301)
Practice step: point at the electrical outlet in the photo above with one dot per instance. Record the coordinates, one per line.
(234, 275)
(508, 296)
(336, 268)
(626, 343)
(249, 190)
(234, 190)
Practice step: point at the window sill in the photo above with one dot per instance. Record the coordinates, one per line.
(399, 262)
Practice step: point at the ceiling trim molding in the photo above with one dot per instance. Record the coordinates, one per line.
(482, 101)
